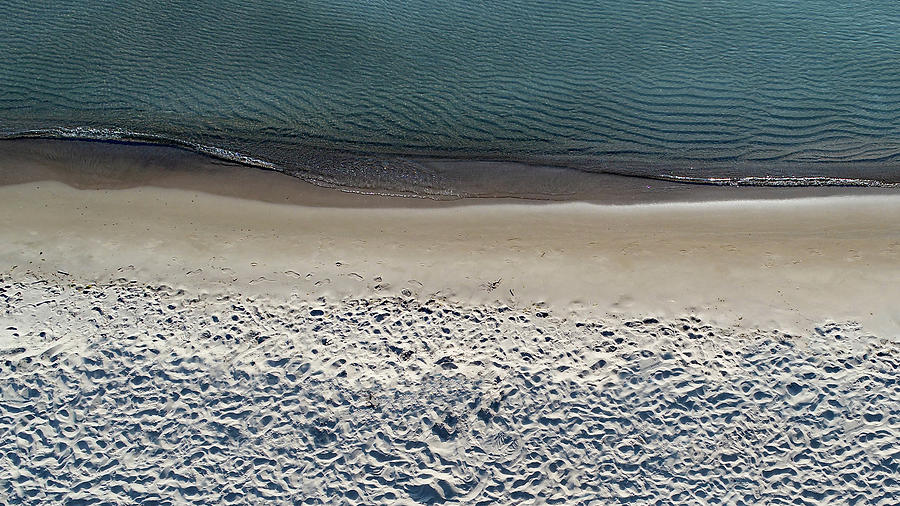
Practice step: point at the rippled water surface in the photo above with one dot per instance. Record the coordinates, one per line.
(349, 92)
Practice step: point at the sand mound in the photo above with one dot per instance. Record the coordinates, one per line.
(128, 393)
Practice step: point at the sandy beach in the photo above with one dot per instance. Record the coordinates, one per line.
(418, 252)
(212, 337)
(789, 263)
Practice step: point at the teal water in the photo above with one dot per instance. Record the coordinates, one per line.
(353, 92)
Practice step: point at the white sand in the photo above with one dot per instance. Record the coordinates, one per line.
(177, 346)
(137, 394)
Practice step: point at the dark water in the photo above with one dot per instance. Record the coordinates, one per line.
(355, 93)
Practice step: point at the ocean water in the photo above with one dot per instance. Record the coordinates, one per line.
(367, 94)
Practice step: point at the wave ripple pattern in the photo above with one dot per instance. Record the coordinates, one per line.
(221, 399)
(607, 85)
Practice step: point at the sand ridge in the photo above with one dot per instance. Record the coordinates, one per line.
(137, 393)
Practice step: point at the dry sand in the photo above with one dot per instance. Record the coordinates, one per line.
(159, 343)
(788, 264)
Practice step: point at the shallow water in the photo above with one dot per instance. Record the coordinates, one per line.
(116, 164)
(347, 92)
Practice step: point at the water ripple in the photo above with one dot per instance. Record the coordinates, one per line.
(660, 86)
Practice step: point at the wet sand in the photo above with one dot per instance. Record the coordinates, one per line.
(779, 263)
(266, 339)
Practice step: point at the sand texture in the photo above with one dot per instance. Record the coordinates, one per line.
(134, 394)
(785, 264)
(161, 344)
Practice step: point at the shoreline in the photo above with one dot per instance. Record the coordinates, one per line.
(218, 335)
(770, 263)
(111, 164)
